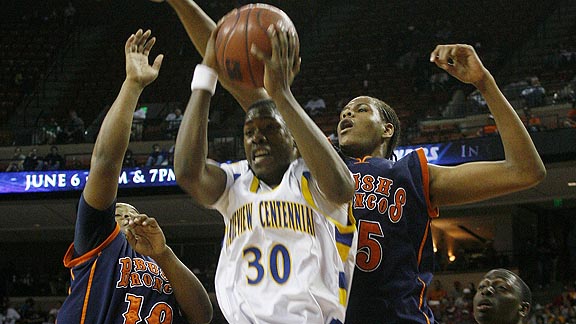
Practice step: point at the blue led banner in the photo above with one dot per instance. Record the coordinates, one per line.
(71, 180)
(449, 153)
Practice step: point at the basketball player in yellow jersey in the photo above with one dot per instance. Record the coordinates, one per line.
(289, 245)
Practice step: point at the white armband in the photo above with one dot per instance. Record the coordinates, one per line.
(205, 78)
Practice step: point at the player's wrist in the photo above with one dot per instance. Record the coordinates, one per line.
(133, 85)
(486, 82)
(205, 78)
(164, 255)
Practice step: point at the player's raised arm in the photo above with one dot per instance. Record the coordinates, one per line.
(112, 141)
(332, 175)
(199, 25)
(204, 182)
(522, 167)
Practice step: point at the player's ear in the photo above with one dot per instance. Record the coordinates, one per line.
(387, 130)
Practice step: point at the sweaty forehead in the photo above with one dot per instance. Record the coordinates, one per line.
(263, 112)
(358, 101)
(501, 277)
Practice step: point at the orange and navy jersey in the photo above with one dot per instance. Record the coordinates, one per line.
(111, 283)
(395, 256)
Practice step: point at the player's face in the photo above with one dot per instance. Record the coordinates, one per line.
(497, 300)
(268, 145)
(361, 128)
(124, 212)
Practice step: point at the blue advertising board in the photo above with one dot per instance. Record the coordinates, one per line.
(448, 153)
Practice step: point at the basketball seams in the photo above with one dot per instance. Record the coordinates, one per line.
(226, 41)
(247, 45)
(247, 27)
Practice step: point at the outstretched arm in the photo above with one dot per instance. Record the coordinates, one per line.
(332, 175)
(112, 141)
(146, 237)
(199, 25)
(202, 181)
(522, 167)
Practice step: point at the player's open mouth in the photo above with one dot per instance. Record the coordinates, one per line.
(345, 124)
(260, 154)
(484, 305)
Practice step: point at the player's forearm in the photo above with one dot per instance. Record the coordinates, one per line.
(191, 147)
(191, 150)
(332, 175)
(197, 23)
(114, 134)
(190, 294)
(519, 149)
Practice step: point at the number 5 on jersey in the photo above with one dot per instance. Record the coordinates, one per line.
(369, 254)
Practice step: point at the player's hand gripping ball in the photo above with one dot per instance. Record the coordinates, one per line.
(238, 31)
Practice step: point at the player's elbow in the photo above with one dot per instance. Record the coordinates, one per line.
(531, 176)
(348, 190)
(187, 180)
(204, 316)
(185, 173)
(344, 192)
(537, 175)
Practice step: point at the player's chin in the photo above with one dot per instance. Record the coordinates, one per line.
(484, 317)
(262, 162)
(346, 143)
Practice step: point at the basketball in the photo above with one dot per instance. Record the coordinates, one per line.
(240, 29)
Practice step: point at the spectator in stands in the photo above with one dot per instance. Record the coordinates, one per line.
(156, 157)
(10, 314)
(566, 94)
(570, 120)
(438, 293)
(129, 161)
(534, 123)
(502, 297)
(472, 287)
(74, 128)
(456, 291)
(29, 312)
(170, 156)
(173, 121)
(39, 135)
(478, 103)
(33, 162)
(531, 121)
(489, 128)
(534, 93)
(138, 123)
(438, 81)
(456, 107)
(315, 106)
(465, 301)
(53, 160)
(52, 131)
(17, 162)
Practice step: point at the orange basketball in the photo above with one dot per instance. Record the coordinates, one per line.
(239, 30)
